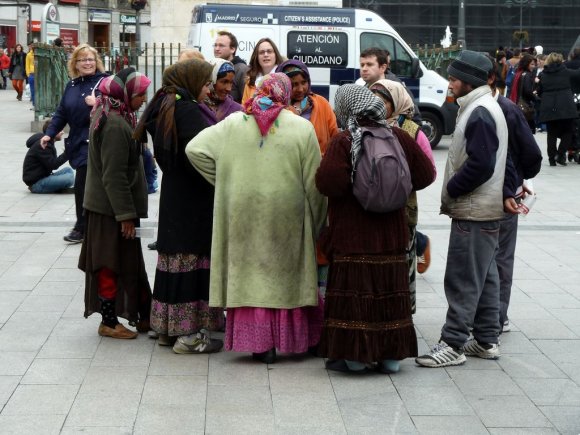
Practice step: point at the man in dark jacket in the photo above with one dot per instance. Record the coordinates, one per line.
(225, 47)
(39, 164)
(523, 162)
(574, 62)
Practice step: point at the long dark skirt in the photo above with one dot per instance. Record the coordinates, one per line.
(103, 246)
(367, 314)
(180, 296)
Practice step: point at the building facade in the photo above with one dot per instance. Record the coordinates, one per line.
(489, 24)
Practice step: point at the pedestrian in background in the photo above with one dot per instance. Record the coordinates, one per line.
(472, 197)
(116, 283)
(17, 70)
(265, 58)
(267, 217)
(522, 90)
(556, 88)
(86, 70)
(180, 314)
(4, 68)
(367, 315)
(30, 72)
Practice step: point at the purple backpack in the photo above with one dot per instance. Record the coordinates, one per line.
(382, 181)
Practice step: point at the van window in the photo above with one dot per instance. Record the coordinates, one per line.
(318, 49)
(400, 58)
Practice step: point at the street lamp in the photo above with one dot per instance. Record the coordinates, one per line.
(521, 3)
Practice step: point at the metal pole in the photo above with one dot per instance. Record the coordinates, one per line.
(461, 26)
(521, 27)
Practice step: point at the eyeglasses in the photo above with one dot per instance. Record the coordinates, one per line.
(268, 51)
(86, 59)
(219, 46)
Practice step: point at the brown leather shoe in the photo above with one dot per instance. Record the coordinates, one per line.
(118, 332)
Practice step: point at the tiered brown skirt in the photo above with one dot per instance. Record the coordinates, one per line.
(367, 314)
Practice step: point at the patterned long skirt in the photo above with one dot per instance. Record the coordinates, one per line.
(258, 330)
(367, 315)
(180, 296)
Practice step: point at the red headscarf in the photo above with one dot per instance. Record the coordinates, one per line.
(270, 98)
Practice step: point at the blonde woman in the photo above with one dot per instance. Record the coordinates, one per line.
(86, 70)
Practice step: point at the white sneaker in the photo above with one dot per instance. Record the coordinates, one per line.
(442, 355)
(506, 326)
(481, 350)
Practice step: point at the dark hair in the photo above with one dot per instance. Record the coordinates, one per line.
(525, 61)
(233, 39)
(576, 52)
(57, 42)
(255, 64)
(381, 55)
(45, 125)
(500, 54)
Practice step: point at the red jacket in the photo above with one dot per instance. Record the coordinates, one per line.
(4, 61)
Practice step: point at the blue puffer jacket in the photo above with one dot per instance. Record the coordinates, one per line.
(73, 111)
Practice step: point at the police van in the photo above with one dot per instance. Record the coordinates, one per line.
(329, 41)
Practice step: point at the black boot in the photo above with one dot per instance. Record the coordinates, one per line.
(108, 313)
(268, 357)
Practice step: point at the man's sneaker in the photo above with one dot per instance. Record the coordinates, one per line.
(442, 355)
(506, 326)
(197, 343)
(74, 237)
(481, 350)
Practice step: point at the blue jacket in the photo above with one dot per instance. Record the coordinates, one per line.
(73, 111)
(524, 156)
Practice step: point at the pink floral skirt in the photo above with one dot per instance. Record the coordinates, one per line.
(258, 330)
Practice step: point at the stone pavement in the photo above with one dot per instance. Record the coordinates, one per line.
(58, 376)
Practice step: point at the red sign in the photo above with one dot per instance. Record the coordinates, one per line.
(70, 1)
(35, 27)
(70, 37)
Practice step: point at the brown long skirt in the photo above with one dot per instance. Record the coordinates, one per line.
(367, 315)
(103, 246)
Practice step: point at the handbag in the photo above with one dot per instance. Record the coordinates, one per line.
(527, 108)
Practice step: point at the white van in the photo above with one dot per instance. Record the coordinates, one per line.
(329, 41)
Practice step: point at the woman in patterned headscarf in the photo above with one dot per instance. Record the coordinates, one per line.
(219, 104)
(180, 313)
(267, 217)
(367, 305)
(115, 198)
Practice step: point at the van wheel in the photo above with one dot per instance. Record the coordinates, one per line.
(432, 128)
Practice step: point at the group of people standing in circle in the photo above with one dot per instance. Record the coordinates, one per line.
(256, 212)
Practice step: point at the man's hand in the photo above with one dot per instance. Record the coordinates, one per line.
(128, 229)
(510, 206)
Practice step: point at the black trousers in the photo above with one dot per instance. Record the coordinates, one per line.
(563, 129)
(80, 181)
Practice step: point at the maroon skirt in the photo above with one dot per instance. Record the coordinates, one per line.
(367, 315)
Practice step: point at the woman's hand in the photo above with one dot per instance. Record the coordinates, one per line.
(44, 141)
(90, 100)
(128, 229)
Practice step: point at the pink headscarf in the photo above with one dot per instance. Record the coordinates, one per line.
(270, 98)
(117, 91)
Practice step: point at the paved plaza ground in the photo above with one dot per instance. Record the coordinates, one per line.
(58, 376)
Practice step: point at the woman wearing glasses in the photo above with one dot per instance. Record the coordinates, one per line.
(86, 70)
(264, 60)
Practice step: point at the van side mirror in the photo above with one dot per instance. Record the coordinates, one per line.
(416, 71)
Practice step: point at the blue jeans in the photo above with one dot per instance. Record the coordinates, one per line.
(58, 180)
(31, 84)
(472, 283)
